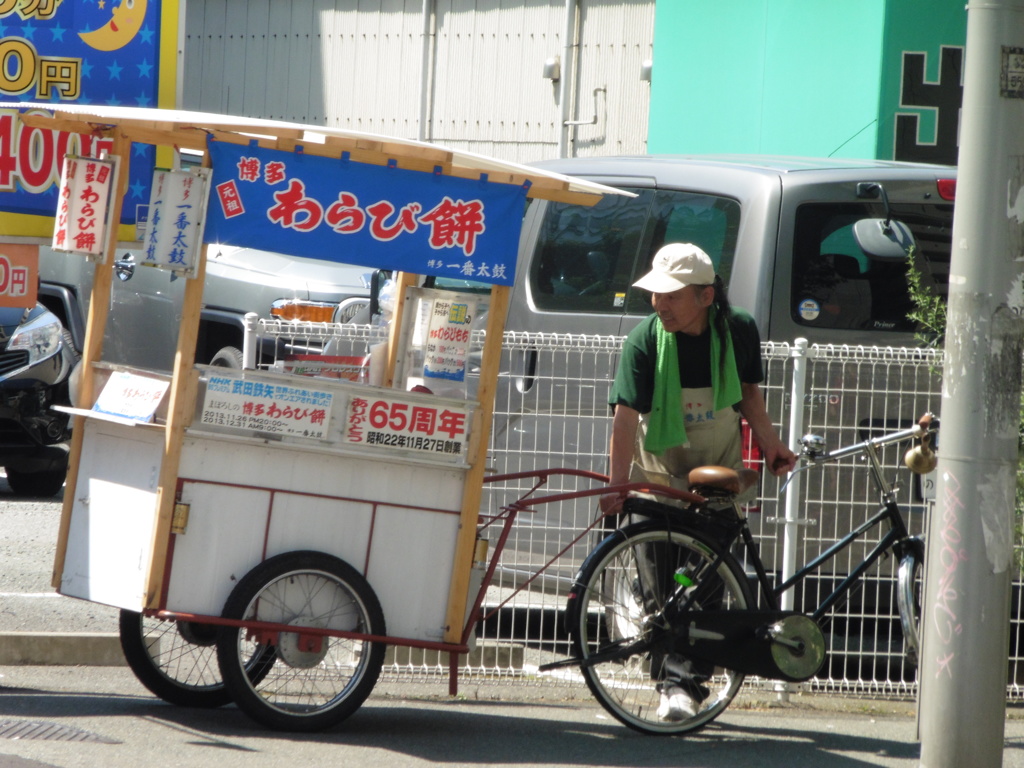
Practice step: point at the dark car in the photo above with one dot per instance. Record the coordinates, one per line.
(36, 361)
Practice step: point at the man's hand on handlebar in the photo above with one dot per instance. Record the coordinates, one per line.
(779, 460)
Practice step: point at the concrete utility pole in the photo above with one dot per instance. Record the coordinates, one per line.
(970, 537)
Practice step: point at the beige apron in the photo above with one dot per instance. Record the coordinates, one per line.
(713, 439)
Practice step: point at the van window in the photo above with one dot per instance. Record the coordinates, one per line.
(585, 256)
(836, 285)
(588, 258)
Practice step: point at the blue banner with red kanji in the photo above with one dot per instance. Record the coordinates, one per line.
(354, 213)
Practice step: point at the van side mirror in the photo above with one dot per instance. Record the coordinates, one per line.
(881, 238)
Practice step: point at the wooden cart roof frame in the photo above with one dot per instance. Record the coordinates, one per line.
(190, 130)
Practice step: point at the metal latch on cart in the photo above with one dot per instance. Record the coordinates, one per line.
(179, 521)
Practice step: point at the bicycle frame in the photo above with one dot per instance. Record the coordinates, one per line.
(894, 539)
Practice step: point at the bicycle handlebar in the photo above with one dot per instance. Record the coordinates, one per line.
(927, 425)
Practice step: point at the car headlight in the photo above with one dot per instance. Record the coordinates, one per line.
(41, 338)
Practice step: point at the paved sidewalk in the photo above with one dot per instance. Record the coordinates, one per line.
(117, 723)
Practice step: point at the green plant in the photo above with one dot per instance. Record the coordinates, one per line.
(929, 310)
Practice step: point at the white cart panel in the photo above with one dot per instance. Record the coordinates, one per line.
(326, 525)
(349, 474)
(410, 570)
(114, 514)
(250, 501)
(225, 536)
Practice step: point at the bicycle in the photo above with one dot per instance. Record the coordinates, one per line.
(669, 586)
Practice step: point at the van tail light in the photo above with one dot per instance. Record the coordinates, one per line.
(307, 311)
(947, 188)
(752, 457)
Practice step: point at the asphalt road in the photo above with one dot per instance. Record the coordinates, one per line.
(28, 536)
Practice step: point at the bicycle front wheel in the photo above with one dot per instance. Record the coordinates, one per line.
(621, 595)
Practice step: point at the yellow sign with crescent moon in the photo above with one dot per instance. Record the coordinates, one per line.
(119, 52)
(125, 22)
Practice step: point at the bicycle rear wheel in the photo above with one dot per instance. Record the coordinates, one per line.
(620, 595)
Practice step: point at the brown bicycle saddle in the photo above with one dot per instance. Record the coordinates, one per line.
(730, 480)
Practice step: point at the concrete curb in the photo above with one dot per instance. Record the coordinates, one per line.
(91, 649)
(103, 649)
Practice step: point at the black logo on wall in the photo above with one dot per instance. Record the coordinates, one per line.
(945, 97)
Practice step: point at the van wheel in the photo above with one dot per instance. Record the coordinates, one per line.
(229, 357)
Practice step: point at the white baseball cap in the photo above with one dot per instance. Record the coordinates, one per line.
(676, 266)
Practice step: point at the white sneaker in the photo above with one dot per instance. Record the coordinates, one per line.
(676, 705)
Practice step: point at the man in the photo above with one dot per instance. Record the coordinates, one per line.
(686, 376)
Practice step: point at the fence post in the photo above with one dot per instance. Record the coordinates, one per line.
(800, 352)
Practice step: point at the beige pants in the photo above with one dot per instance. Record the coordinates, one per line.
(713, 439)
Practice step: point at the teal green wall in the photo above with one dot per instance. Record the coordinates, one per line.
(794, 77)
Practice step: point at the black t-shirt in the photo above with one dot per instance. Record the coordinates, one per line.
(634, 379)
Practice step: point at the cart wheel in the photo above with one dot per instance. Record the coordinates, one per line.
(177, 660)
(317, 680)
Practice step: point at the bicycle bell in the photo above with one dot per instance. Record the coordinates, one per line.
(813, 445)
(921, 458)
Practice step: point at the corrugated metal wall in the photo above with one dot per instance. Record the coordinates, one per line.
(615, 39)
(490, 93)
(356, 64)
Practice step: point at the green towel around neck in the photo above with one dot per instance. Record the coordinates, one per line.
(666, 427)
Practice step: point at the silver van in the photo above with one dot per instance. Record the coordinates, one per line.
(780, 231)
(785, 234)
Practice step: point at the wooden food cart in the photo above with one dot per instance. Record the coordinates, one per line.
(295, 525)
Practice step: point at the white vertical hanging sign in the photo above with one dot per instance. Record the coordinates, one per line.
(83, 207)
(174, 227)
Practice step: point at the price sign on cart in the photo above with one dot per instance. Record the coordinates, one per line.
(402, 425)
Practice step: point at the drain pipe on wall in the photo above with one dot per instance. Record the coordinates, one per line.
(565, 89)
(426, 71)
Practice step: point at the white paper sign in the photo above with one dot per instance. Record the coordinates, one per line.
(131, 396)
(446, 346)
(174, 220)
(267, 407)
(82, 205)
